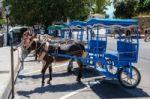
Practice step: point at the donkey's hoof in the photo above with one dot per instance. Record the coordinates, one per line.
(78, 80)
(49, 82)
(42, 84)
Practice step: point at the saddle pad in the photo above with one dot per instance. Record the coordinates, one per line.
(65, 47)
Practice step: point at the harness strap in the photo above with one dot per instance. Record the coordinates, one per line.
(44, 52)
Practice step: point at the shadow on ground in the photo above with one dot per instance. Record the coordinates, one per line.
(104, 90)
(53, 88)
(112, 89)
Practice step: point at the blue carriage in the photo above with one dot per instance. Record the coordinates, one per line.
(116, 64)
(79, 27)
(59, 30)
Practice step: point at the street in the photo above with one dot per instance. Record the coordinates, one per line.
(64, 85)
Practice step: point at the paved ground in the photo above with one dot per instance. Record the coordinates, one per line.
(64, 85)
(5, 70)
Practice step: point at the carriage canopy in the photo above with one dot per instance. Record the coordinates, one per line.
(112, 22)
(78, 24)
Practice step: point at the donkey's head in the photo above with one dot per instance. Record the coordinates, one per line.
(28, 41)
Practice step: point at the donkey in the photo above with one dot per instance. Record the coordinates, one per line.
(45, 53)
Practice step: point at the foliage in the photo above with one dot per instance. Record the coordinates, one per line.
(2, 21)
(130, 8)
(99, 6)
(45, 12)
(125, 8)
(143, 6)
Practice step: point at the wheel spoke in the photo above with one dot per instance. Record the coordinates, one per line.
(124, 77)
(135, 79)
(127, 79)
(130, 81)
(134, 75)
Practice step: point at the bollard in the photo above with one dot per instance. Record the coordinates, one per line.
(12, 71)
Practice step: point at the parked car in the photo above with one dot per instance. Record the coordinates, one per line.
(15, 34)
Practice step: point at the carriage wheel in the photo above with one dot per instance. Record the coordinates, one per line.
(111, 68)
(126, 79)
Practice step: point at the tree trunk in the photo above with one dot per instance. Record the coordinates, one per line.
(45, 28)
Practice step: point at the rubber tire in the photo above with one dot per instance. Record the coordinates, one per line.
(125, 85)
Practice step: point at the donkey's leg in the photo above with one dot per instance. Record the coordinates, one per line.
(80, 70)
(70, 66)
(50, 74)
(35, 55)
(43, 72)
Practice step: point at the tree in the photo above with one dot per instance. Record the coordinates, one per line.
(143, 6)
(131, 8)
(99, 6)
(125, 8)
(45, 12)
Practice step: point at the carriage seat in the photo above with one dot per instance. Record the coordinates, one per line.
(95, 46)
(125, 52)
